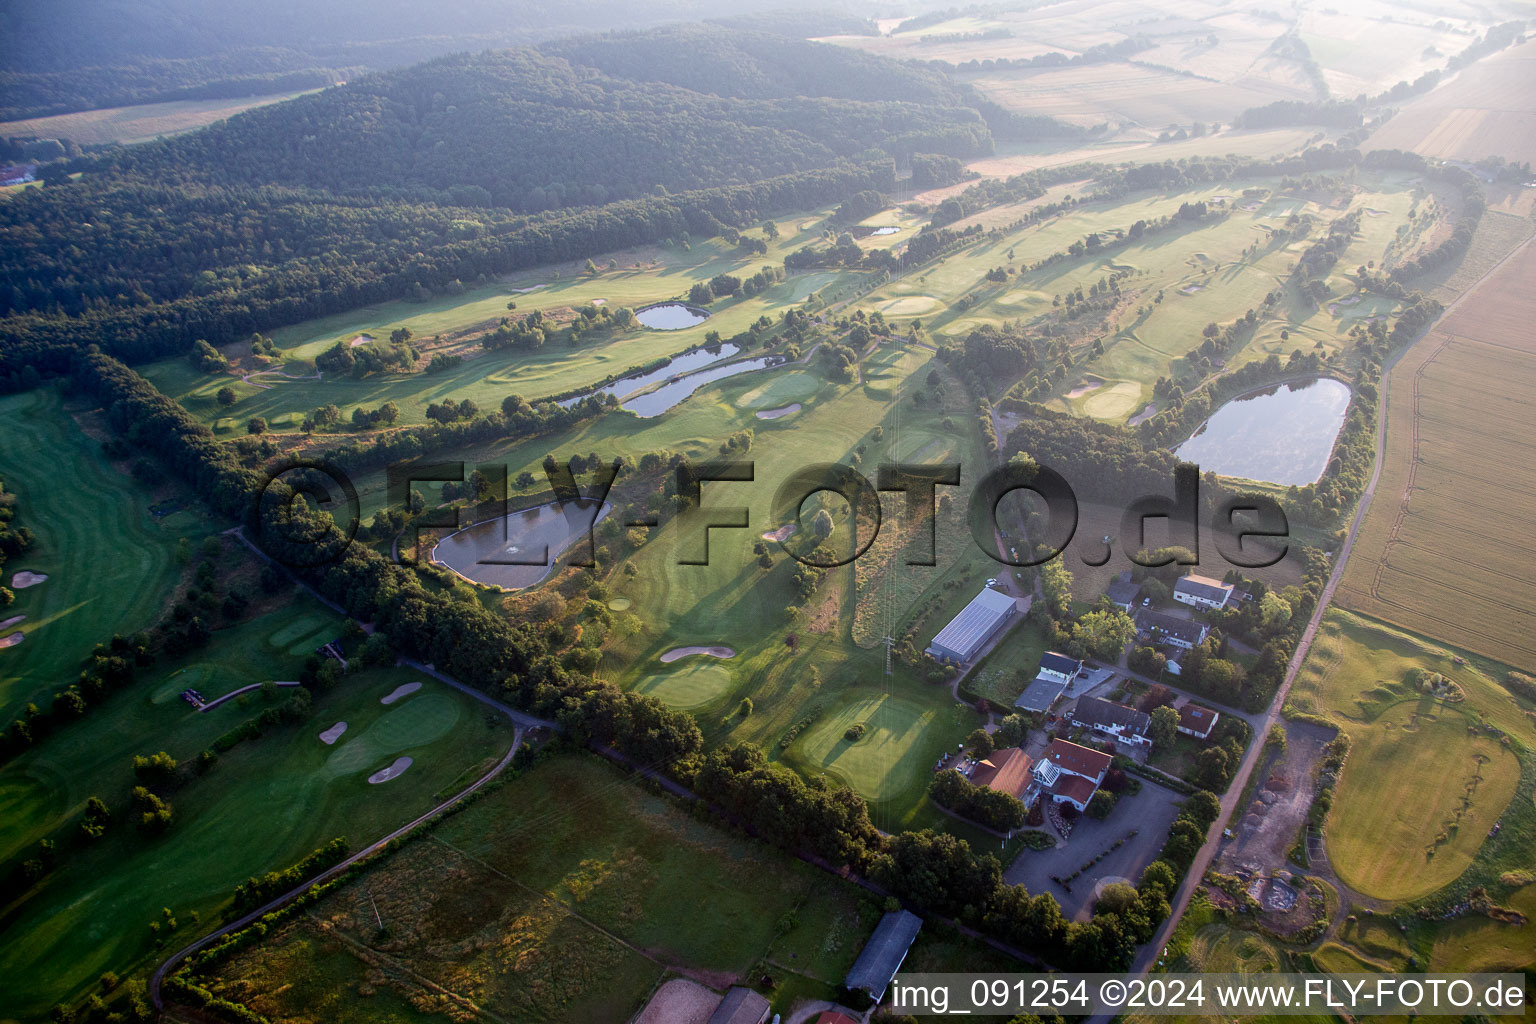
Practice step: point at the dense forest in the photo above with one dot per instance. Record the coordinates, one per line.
(65, 55)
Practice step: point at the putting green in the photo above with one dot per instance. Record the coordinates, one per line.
(881, 763)
(783, 389)
(910, 305)
(314, 640)
(690, 686)
(1113, 403)
(619, 604)
(417, 722)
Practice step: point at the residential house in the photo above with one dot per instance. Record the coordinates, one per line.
(1069, 774)
(1115, 720)
(1197, 721)
(1202, 592)
(1123, 593)
(1006, 770)
(1162, 628)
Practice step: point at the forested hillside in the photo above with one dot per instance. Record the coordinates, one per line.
(416, 180)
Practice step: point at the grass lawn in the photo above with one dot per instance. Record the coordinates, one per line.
(109, 563)
(1012, 665)
(895, 754)
(689, 686)
(264, 805)
(526, 908)
(1416, 801)
(1476, 943)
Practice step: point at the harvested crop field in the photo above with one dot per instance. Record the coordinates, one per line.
(1486, 110)
(1436, 553)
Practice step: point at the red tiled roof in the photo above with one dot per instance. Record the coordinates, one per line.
(1082, 760)
(1074, 786)
(1006, 771)
(1196, 718)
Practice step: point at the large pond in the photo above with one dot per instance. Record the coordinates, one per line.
(682, 364)
(654, 403)
(1283, 435)
(518, 550)
(671, 316)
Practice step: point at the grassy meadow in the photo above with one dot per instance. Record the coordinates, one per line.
(567, 894)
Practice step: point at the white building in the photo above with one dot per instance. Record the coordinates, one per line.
(1202, 592)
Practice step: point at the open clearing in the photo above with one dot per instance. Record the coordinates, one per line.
(520, 908)
(1458, 485)
(138, 123)
(881, 762)
(1416, 801)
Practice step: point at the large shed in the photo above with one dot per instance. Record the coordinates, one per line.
(882, 955)
(978, 622)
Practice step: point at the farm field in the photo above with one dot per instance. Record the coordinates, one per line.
(1458, 482)
(643, 276)
(519, 908)
(1431, 775)
(1483, 111)
(263, 805)
(138, 123)
(109, 562)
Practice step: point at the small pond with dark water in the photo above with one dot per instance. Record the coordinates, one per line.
(1282, 435)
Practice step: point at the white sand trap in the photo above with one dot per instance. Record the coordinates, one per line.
(12, 640)
(599, 302)
(13, 620)
(403, 690)
(1375, 213)
(773, 414)
(683, 652)
(24, 579)
(361, 339)
(1083, 389)
(394, 771)
(1143, 416)
(911, 305)
(1190, 289)
(333, 734)
(782, 534)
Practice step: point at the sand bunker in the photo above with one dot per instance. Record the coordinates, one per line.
(911, 305)
(1141, 417)
(1250, 207)
(1190, 289)
(782, 534)
(12, 640)
(1375, 213)
(403, 690)
(773, 414)
(394, 771)
(361, 339)
(1083, 389)
(683, 652)
(24, 579)
(13, 620)
(620, 604)
(333, 734)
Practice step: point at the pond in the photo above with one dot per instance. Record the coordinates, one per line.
(684, 363)
(518, 550)
(1282, 435)
(654, 403)
(865, 230)
(671, 316)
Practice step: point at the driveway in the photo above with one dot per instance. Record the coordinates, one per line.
(1150, 812)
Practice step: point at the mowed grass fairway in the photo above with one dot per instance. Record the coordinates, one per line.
(892, 755)
(265, 804)
(1416, 801)
(643, 276)
(566, 895)
(1445, 547)
(1425, 779)
(109, 563)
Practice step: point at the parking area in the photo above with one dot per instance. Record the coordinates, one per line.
(1149, 813)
